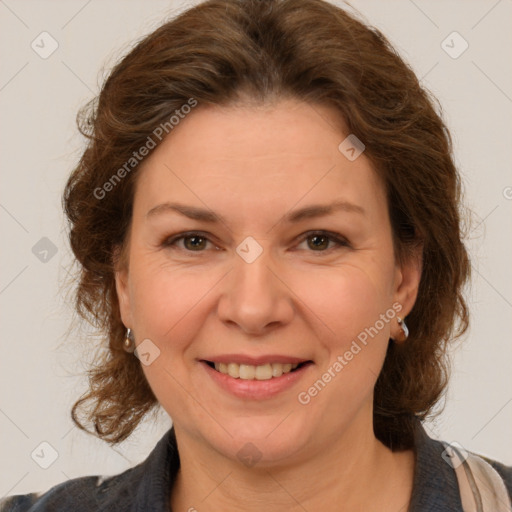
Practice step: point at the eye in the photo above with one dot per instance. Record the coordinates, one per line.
(192, 242)
(319, 241)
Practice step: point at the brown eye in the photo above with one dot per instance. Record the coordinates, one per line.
(194, 242)
(188, 242)
(318, 241)
(324, 241)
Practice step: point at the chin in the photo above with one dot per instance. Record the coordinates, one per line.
(261, 442)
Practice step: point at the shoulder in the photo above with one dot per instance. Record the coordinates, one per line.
(487, 474)
(143, 487)
(436, 485)
(503, 470)
(79, 494)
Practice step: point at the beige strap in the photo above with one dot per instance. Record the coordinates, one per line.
(481, 487)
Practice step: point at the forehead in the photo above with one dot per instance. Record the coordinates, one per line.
(254, 160)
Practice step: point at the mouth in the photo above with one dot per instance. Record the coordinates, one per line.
(266, 371)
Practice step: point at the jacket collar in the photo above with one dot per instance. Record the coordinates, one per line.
(435, 484)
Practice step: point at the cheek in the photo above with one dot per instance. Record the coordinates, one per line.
(166, 302)
(168, 311)
(346, 300)
(354, 312)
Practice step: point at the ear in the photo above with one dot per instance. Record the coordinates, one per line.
(407, 279)
(122, 285)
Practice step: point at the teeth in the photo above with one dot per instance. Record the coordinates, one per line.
(250, 372)
(233, 370)
(263, 372)
(247, 372)
(277, 370)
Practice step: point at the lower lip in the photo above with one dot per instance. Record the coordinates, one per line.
(256, 389)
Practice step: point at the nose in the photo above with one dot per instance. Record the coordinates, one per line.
(255, 297)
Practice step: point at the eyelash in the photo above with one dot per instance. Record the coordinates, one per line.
(334, 237)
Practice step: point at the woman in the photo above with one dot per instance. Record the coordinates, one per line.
(267, 219)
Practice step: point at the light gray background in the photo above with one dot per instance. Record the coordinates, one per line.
(41, 364)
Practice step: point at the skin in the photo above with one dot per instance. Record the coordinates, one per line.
(253, 165)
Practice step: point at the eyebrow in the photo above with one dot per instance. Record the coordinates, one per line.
(308, 212)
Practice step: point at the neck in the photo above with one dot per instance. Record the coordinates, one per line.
(357, 471)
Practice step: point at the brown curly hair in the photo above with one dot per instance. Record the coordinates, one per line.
(316, 52)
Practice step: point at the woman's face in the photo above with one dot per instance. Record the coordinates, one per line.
(256, 243)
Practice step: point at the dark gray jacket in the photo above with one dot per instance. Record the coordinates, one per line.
(146, 487)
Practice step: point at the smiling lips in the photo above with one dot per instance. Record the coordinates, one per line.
(255, 377)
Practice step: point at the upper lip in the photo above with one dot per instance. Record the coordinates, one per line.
(253, 360)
